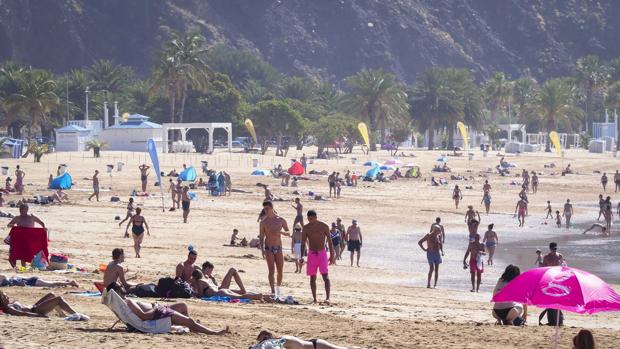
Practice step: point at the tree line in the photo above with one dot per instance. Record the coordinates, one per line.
(191, 82)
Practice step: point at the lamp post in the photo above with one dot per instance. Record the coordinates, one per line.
(86, 92)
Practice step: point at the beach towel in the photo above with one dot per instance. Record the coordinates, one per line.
(296, 169)
(64, 181)
(26, 243)
(225, 299)
(122, 311)
(188, 174)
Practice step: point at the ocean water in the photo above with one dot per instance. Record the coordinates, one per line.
(400, 251)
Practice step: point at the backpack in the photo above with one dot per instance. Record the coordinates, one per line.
(164, 286)
(552, 317)
(181, 289)
(145, 290)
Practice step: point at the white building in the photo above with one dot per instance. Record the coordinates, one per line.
(132, 134)
(75, 135)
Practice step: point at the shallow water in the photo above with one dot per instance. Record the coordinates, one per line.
(400, 251)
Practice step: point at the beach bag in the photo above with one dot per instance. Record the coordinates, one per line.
(164, 286)
(552, 317)
(145, 290)
(181, 289)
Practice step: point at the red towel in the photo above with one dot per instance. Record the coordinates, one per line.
(26, 243)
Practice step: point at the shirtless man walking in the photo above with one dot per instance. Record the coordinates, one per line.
(354, 241)
(616, 180)
(272, 227)
(95, 186)
(185, 202)
(316, 233)
(114, 275)
(144, 175)
(433, 247)
(440, 226)
(19, 180)
(568, 212)
(299, 218)
(24, 220)
(521, 211)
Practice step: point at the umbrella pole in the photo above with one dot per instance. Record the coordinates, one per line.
(556, 336)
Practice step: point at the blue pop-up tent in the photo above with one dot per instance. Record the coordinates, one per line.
(64, 181)
(188, 174)
(373, 172)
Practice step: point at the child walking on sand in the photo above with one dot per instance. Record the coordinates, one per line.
(549, 210)
(558, 219)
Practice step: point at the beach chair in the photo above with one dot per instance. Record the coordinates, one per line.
(124, 314)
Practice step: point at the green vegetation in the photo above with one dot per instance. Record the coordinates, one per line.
(193, 83)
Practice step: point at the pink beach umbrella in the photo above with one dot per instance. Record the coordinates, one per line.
(561, 288)
(393, 162)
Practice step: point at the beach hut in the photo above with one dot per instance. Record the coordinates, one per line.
(72, 138)
(132, 134)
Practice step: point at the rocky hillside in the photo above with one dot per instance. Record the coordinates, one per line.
(329, 38)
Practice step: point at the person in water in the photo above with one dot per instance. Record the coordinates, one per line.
(138, 223)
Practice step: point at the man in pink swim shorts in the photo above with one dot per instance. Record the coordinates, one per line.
(316, 233)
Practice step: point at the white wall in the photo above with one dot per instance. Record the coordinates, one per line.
(70, 142)
(130, 139)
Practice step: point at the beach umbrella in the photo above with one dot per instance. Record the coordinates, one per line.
(393, 162)
(561, 288)
(371, 164)
(261, 173)
(387, 168)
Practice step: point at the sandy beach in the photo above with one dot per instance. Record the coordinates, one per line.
(382, 304)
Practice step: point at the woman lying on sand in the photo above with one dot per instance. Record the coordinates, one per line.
(289, 342)
(34, 282)
(205, 287)
(41, 308)
(177, 312)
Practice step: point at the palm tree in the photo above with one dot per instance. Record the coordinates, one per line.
(186, 52)
(524, 92)
(592, 75)
(556, 106)
(468, 100)
(497, 91)
(109, 78)
(35, 97)
(376, 96)
(10, 74)
(96, 145)
(432, 102)
(36, 149)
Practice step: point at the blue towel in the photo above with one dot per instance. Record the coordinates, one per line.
(224, 299)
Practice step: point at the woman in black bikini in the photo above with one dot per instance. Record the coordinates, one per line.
(290, 342)
(139, 222)
(41, 308)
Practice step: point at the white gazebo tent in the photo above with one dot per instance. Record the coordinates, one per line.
(184, 127)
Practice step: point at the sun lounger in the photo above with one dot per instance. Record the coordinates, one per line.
(124, 314)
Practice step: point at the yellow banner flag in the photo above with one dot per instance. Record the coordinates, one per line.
(364, 132)
(250, 126)
(555, 140)
(463, 130)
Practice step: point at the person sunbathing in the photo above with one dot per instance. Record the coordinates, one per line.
(41, 308)
(179, 318)
(34, 282)
(206, 287)
(290, 342)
